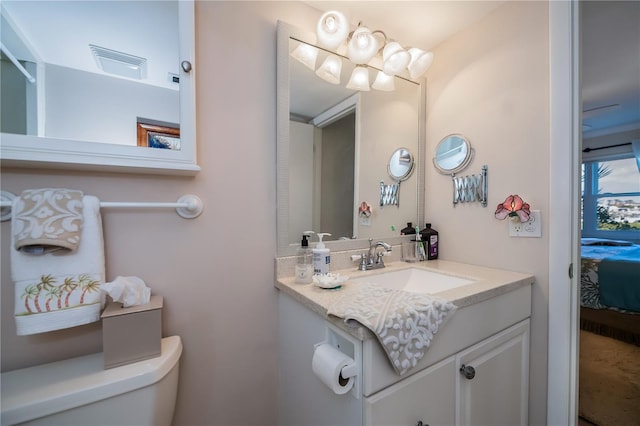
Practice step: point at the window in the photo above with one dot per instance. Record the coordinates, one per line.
(611, 199)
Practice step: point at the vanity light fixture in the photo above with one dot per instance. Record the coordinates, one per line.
(395, 58)
(332, 29)
(361, 45)
(330, 69)
(307, 54)
(420, 62)
(383, 82)
(359, 79)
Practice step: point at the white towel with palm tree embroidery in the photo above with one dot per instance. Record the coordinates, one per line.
(60, 290)
(405, 323)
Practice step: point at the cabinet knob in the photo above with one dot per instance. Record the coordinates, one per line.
(468, 371)
(186, 66)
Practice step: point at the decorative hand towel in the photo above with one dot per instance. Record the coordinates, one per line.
(405, 323)
(47, 220)
(61, 289)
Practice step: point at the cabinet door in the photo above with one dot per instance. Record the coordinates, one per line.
(427, 396)
(493, 379)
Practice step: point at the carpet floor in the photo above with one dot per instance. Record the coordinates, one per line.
(609, 387)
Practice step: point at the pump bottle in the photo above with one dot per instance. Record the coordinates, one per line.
(321, 256)
(304, 265)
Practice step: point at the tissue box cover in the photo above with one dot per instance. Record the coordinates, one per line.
(131, 334)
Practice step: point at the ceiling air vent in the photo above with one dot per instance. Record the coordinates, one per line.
(119, 63)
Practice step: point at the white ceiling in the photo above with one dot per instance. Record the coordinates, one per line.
(60, 33)
(610, 44)
(611, 38)
(610, 65)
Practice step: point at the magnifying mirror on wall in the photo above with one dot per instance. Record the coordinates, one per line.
(400, 164)
(453, 154)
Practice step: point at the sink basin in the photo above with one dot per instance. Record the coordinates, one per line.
(415, 280)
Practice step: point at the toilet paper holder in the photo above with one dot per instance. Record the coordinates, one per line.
(351, 347)
(348, 371)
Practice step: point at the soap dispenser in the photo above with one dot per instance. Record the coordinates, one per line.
(304, 265)
(321, 256)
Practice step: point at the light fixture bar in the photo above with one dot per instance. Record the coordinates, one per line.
(341, 56)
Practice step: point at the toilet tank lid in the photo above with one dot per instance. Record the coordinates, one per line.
(42, 390)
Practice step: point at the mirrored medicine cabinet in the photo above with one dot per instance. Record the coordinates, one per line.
(100, 146)
(379, 125)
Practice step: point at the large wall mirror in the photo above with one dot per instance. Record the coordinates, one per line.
(85, 83)
(334, 146)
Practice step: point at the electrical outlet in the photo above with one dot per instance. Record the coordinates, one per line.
(530, 228)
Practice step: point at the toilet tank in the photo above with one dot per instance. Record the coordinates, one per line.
(79, 391)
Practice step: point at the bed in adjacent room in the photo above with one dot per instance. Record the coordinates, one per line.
(610, 288)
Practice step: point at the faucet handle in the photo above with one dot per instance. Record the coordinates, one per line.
(380, 254)
(363, 262)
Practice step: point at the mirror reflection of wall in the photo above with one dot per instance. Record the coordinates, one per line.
(321, 176)
(324, 192)
(76, 95)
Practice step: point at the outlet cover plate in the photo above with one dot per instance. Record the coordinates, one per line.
(530, 228)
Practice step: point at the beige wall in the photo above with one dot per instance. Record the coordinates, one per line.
(216, 272)
(490, 83)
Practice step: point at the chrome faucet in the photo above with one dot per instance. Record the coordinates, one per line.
(373, 259)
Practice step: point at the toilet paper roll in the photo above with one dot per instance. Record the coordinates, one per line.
(327, 365)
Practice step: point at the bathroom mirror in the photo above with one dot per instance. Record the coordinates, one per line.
(453, 154)
(400, 164)
(101, 145)
(381, 122)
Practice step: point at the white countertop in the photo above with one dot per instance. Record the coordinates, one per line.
(487, 283)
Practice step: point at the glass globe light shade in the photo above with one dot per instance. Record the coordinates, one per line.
(332, 29)
(359, 79)
(420, 62)
(306, 54)
(330, 69)
(363, 46)
(383, 82)
(395, 58)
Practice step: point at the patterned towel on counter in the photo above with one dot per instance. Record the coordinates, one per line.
(405, 323)
(47, 220)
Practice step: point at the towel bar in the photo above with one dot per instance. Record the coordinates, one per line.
(188, 206)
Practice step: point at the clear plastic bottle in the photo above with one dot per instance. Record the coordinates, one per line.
(304, 265)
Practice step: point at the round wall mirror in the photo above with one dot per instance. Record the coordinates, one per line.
(400, 164)
(453, 154)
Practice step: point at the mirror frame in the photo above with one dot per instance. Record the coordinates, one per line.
(286, 31)
(49, 153)
(465, 162)
(409, 172)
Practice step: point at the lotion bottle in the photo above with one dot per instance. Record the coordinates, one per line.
(321, 256)
(304, 265)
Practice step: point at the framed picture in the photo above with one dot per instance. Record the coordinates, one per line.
(158, 136)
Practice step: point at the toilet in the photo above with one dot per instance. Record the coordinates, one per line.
(79, 391)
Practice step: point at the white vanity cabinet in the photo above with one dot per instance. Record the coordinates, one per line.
(492, 385)
(486, 384)
(428, 397)
(476, 370)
